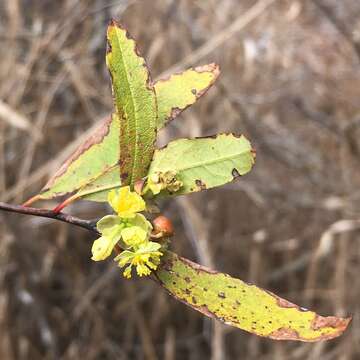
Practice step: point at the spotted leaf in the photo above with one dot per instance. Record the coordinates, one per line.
(98, 165)
(99, 153)
(243, 305)
(181, 90)
(135, 104)
(204, 163)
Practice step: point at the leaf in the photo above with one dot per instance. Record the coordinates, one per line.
(242, 305)
(204, 163)
(99, 153)
(173, 96)
(96, 167)
(135, 104)
(98, 188)
(179, 91)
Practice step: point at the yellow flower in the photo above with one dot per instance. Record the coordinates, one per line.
(110, 228)
(140, 262)
(127, 272)
(131, 231)
(126, 203)
(145, 259)
(134, 236)
(102, 248)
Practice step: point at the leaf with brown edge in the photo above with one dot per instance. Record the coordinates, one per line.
(204, 163)
(94, 157)
(91, 171)
(135, 103)
(181, 90)
(243, 305)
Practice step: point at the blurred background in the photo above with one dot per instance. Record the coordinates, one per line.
(290, 82)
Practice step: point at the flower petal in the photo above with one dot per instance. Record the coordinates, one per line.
(124, 257)
(108, 222)
(134, 236)
(125, 202)
(140, 220)
(102, 248)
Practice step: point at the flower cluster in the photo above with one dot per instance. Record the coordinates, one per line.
(131, 231)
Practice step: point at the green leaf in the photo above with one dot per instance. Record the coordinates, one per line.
(179, 91)
(98, 188)
(242, 305)
(173, 96)
(204, 163)
(96, 166)
(99, 153)
(135, 104)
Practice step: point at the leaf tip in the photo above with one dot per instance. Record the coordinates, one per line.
(113, 23)
(338, 324)
(327, 328)
(212, 67)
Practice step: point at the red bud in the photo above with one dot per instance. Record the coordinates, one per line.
(163, 225)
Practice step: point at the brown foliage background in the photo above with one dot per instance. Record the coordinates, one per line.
(290, 81)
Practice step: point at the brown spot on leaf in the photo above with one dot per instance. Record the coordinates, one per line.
(318, 323)
(113, 23)
(222, 295)
(213, 68)
(207, 137)
(285, 304)
(197, 267)
(205, 310)
(108, 48)
(175, 111)
(282, 302)
(284, 334)
(321, 322)
(200, 184)
(187, 279)
(124, 176)
(235, 173)
(235, 135)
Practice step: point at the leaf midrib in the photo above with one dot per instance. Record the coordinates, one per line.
(134, 148)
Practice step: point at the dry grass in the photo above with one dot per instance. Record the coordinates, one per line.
(290, 81)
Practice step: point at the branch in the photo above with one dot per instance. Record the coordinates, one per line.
(89, 225)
